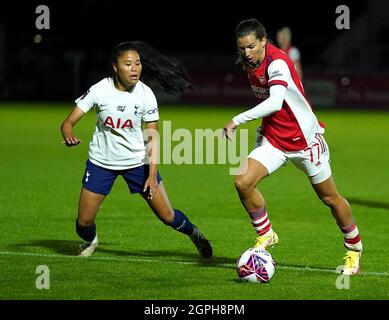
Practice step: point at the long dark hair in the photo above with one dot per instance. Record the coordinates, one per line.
(245, 28)
(169, 73)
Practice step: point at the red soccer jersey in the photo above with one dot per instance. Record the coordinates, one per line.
(292, 127)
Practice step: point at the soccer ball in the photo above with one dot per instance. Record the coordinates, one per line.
(255, 265)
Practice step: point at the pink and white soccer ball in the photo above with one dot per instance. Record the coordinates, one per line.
(255, 265)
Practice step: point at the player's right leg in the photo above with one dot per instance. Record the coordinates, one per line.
(88, 206)
(261, 162)
(97, 183)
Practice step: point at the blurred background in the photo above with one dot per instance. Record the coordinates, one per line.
(343, 68)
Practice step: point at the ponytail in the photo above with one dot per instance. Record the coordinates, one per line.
(169, 73)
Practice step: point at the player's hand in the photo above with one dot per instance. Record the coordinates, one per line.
(71, 141)
(229, 130)
(150, 187)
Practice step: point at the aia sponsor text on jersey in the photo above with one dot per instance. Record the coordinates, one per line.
(118, 124)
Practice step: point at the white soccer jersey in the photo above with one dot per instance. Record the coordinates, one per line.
(117, 142)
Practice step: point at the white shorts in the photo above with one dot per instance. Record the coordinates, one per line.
(313, 160)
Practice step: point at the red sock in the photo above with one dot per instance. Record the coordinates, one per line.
(260, 221)
(352, 239)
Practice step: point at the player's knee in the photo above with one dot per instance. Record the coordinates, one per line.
(330, 200)
(242, 185)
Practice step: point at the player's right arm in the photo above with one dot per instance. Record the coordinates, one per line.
(279, 76)
(67, 127)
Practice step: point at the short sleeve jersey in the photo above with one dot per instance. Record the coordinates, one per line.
(294, 126)
(118, 141)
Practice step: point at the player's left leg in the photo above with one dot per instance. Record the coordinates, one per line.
(162, 208)
(175, 218)
(314, 161)
(341, 210)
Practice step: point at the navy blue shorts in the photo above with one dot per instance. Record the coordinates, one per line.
(100, 180)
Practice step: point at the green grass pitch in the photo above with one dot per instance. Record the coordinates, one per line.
(140, 258)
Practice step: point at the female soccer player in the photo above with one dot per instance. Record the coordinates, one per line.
(284, 40)
(123, 103)
(289, 131)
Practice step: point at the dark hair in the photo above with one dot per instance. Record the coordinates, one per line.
(252, 25)
(169, 73)
(245, 28)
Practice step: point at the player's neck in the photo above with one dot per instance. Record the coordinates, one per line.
(120, 86)
(263, 55)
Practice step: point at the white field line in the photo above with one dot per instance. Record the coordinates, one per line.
(155, 260)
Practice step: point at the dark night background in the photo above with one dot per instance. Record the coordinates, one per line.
(73, 53)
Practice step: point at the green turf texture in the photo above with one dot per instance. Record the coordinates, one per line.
(141, 258)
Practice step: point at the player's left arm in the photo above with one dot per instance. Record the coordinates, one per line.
(150, 120)
(152, 149)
